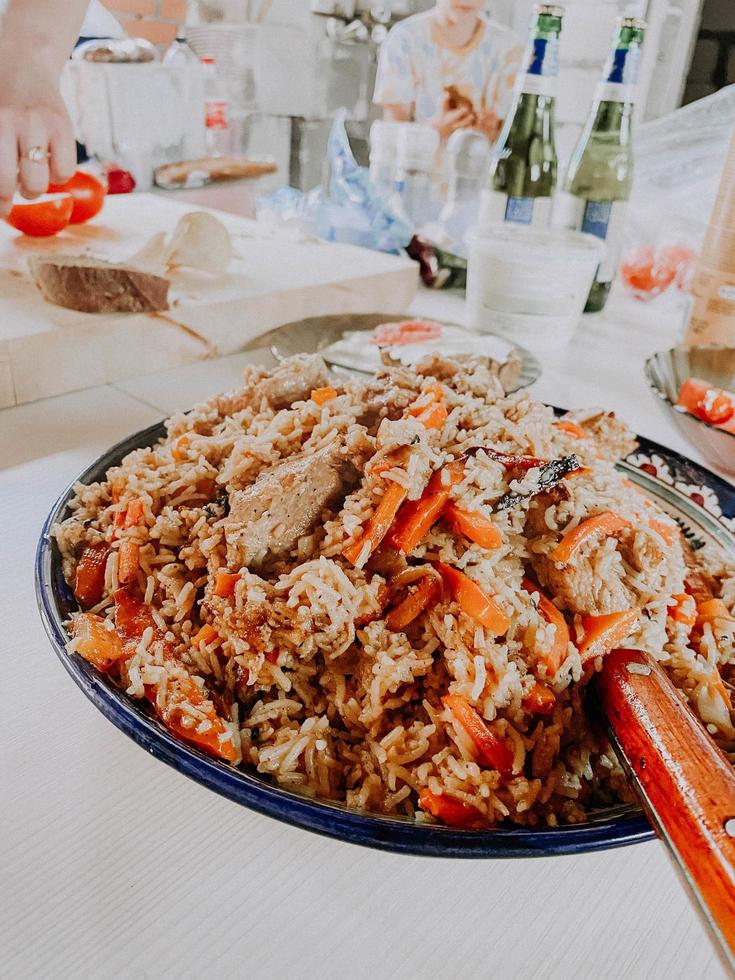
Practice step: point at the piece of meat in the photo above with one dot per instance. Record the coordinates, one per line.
(93, 286)
(384, 402)
(267, 518)
(472, 373)
(293, 381)
(581, 590)
(611, 434)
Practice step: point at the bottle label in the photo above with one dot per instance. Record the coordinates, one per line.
(496, 207)
(612, 92)
(216, 115)
(519, 210)
(621, 76)
(603, 219)
(544, 59)
(539, 85)
(543, 67)
(625, 65)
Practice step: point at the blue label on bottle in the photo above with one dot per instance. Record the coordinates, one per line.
(519, 210)
(624, 68)
(596, 218)
(544, 57)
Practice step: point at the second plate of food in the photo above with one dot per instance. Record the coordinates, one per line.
(364, 342)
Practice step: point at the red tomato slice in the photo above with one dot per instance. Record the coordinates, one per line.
(406, 332)
(88, 193)
(645, 273)
(706, 402)
(43, 217)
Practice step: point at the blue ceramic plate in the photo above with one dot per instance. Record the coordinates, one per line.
(703, 504)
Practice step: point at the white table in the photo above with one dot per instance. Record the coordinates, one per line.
(113, 865)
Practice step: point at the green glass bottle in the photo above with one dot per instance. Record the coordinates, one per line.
(598, 180)
(524, 163)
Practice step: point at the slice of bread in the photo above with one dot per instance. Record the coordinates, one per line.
(211, 169)
(94, 286)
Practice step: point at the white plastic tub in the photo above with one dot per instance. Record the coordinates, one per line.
(529, 285)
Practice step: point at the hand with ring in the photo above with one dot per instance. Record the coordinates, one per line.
(36, 140)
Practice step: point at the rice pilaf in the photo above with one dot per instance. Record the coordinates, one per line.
(392, 593)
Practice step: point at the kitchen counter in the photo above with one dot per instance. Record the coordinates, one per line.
(114, 865)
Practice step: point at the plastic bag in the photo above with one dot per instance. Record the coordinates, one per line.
(678, 162)
(352, 211)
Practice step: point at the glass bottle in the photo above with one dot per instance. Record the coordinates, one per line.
(600, 174)
(524, 162)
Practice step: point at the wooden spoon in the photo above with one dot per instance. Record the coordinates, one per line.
(685, 784)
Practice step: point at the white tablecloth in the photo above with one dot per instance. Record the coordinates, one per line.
(113, 865)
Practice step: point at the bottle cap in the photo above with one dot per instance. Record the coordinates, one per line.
(549, 10)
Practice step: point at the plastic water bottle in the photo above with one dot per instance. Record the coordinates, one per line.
(414, 197)
(179, 54)
(383, 150)
(217, 111)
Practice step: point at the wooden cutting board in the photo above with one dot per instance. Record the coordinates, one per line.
(274, 278)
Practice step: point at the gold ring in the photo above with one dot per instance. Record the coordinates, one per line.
(36, 154)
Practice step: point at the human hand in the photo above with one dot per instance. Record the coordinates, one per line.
(489, 124)
(36, 140)
(449, 120)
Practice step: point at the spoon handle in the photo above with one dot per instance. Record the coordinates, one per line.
(685, 783)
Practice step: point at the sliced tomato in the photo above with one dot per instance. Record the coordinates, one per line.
(405, 332)
(88, 195)
(706, 401)
(43, 217)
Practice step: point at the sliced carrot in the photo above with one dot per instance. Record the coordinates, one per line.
(128, 561)
(473, 525)
(710, 610)
(323, 395)
(118, 521)
(491, 751)
(560, 647)
(416, 517)
(418, 599)
(271, 656)
(472, 600)
(99, 645)
(580, 471)
(604, 524)
(429, 407)
(132, 617)
(450, 810)
(134, 514)
(179, 448)
(377, 525)
(89, 580)
(205, 635)
(571, 428)
(683, 609)
(603, 633)
(667, 532)
(224, 584)
(540, 700)
(169, 705)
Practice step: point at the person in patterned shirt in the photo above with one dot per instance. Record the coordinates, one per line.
(451, 67)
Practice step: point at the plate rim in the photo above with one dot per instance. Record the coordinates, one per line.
(332, 820)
